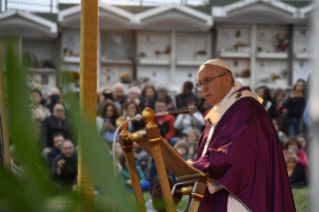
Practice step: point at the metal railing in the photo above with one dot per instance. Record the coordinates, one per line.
(51, 6)
(47, 6)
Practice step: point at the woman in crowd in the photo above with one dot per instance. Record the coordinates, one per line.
(295, 104)
(279, 96)
(132, 110)
(297, 162)
(269, 103)
(125, 179)
(38, 111)
(105, 96)
(186, 95)
(106, 122)
(162, 96)
(187, 122)
(149, 95)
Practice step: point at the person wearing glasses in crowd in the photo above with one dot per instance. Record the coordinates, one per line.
(239, 148)
(54, 124)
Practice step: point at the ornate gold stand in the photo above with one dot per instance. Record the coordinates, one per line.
(154, 139)
(127, 146)
(190, 181)
(194, 186)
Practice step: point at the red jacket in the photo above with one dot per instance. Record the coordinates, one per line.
(166, 126)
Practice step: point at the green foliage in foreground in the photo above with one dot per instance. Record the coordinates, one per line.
(64, 203)
(31, 192)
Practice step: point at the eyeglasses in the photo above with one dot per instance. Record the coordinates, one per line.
(58, 110)
(206, 82)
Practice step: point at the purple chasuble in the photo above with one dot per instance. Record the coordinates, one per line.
(250, 166)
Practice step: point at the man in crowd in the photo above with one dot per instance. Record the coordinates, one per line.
(65, 166)
(118, 92)
(165, 123)
(53, 99)
(49, 153)
(186, 95)
(56, 123)
(239, 148)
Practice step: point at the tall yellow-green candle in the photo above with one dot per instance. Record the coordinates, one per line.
(88, 87)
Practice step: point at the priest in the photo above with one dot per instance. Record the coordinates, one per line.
(239, 148)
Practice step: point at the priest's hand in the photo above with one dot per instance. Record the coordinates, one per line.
(190, 162)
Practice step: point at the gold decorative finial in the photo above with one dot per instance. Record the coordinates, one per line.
(149, 115)
(119, 121)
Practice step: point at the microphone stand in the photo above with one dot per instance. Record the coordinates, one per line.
(123, 122)
(152, 136)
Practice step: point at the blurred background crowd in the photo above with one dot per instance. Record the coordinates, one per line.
(148, 56)
(288, 110)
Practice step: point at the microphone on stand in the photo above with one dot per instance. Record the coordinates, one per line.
(189, 109)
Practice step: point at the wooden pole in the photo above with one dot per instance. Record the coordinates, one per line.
(4, 119)
(88, 79)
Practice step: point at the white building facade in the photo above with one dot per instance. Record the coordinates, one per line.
(264, 42)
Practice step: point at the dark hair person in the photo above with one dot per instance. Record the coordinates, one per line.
(108, 117)
(149, 93)
(295, 103)
(297, 162)
(186, 96)
(131, 110)
(269, 103)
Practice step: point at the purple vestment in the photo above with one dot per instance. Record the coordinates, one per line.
(250, 166)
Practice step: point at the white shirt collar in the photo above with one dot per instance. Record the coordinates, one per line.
(236, 87)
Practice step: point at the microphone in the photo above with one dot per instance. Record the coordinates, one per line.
(189, 109)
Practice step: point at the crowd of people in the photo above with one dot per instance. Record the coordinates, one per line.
(58, 141)
(287, 110)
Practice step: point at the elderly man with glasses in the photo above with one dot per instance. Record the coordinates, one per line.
(239, 148)
(56, 123)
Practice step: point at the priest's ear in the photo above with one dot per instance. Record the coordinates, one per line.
(229, 80)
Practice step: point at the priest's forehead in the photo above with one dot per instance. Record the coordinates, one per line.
(211, 71)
